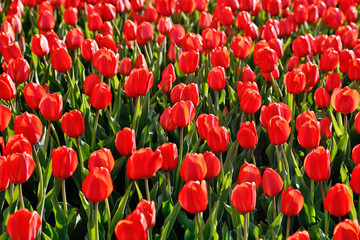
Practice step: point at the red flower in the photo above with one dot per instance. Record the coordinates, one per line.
(149, 211)
(72, 123)
(191, 41)
(185, 92)
(187, 6)
(90, 82)
(166, 120)
(250, 101)
(39, 45)
(249, 173)
(23, 225)
(95, 22)
(321, 97)
(354, 69)
(345, 100)
(51, 106)
(101, 158)
(338, 194)
(88, 48)
(169, 154)
(218, 139)
(64, 162)
(243, 197)
(144, 33)
(355, 178)
(125, 67)
(325, 127)
(193, 197)
(143, 163)
(101, 96)
(311, 72)
(182, 113)
(71, 16)
(20, 167)
(204, 122)
(30, 126)
(17, 144)
(46, 21)
(167, 78)
(247, 135)
(216, 78)
(188, 61)
(295, 81)
(97, 185)
(61, 60)
(332, 81)
(164, 25)
(106, 61)
(357, 122)
(301, 46)
(125, 141)
(292, 202)
(267, 59)
(139, 82)
(317, 164)
(347, 229)
(5, 117)
(4, 177)
(271, 182)
(279, 130)
(74, 38)
(220, 57)
(299, 235)
(193, 168)
(329, 60)
(213, 165)
(274, 109)
(18, 70)
(7, 86)
(134, 226)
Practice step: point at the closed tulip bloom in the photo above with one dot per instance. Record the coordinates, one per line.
(134, 226)
(344, 59)
(166, 120)
(143, 163)
(242, 87)
(7, 86)
(355, 178)
(274, 109)
(23, 225)
(311, 72)
(354, 69)
(40, 45)
(218, 139)
(71, 16)
(338, 194)
(30, 126)
(293, 62)
(164, 25)
(193, 168)
(188, 61)
(271, 182)
(325, 127)
(95, 22)
(106, 61)
(90, 82)
(250, 101)
(125, 141)
(18, 70)
(101, 96)
(140, 62)
(334, 17)
(185, 92)
(144, 33)
(169, 154)
(4, 176)
(97, 185)
(55, 44)
(129, 30)
(74, 38)
(61, 60)
(125, 67)
(347, 229)
(305, 117)
(101, 158)
(292, 202)
(247, 135)
(220, 57)
(5, 117)
(191, 41)
(213, 165)
(20, 167)
(345, 100)
(64, 162)
(249, 173)
(72, 123)
(17, 144)
(177, 32)
(243, 197)
(183, 113)
(149, 211)
(193, 197)
(332, 81)
(204, 122)
(301, 46)
(317, 164)
(46, 21)
(268, 60)
(139, 82)
(11, 50)
(295, 81)
(216, 78)
(329, 60)
(51, 106)
(309, 135)
(321, 97)
(299, 235)
(248, 75)
(205, 20)
(212, 38)
(88, 48)
(279, 130)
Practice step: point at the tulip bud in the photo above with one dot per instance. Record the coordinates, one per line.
(271, 182)
(5, 117)
(125, 141)
(101, 96)
(243, 197)
(64, 162)
(292, 202)
(97, 185)
(347, 229)
(23, 225)
(338, 194)
(193, 168)
(30, 126)
(249, 173)
(247, 135)
(20, 167)
(169, 154)
(193, 197)
(218, 139)
(143, 163)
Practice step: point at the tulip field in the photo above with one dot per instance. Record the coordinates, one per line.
(179, 119)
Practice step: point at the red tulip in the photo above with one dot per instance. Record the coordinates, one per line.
(101, 96)
(311, 72)
(7, 86)
(17, 144)
(177, 32)
(295, 81)
(301, 46)
(247, 135)
(4, 176)
(250, 101)
(125, 67)
(218, 139)
(216, 78)
(292, 202)
(204, 122)
(274, 109)
(101, 158)
(97, 185)
(149, 211)
(64, 162)
(269, 59)
(90, 82)
(74, 38)
(143, 163)
(191, 42)
(205, 20)
(5, 117)
(220, 57)
(345, 100)
(212, 38)
(299, 235)
(167, 78)
(144, 33)
(125, 141)
(140, 62)
(39, 45)
(293, 62)
(357, 122)
(242, 87)
(139, 82)
(334, 17)
(106, 61)
(23, 225)
(11, 51)
(248, 75)
(88, 48)
(30, 126)
(338, 194)
(309, 135)
(165, 7)
(18, 70)
(51, 106)
(354, 69)
(183, 113)
(72, 123)
(355, 178)
(71, 16)
(317, 164)
(332, 81)
(46, 21)
(213, 165)
(61, 60)
(193, 168)
(321, 97)
(329, 60)
(249, 173)
(166, 120)
(164, 25)
(188, 61)
(134, 226)
(187, 6)
(185, 92)
(33, 94)
(193, 197)
(325, 127)
(170, 156)
(271, 182)
(243, 197)
(279, 130)
(107, 11)
(347, 229)
(20, 167)
(95, 22)
(344, 59)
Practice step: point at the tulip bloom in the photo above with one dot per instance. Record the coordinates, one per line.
(241, 46)
(218, 139)
(250, 101)
(193, 197)
(4, 176)
(247, 135)
(347, 229)
(125, 141)
(317, 164)
(144, 33)
(355, 155)
(125, 67)
(185, 92)
(20, 167)
(88, 48)
(271, 182)
(332, 81)
(204, 122)
(17, 144)
(143, 163)
(30, 126)
(90, 82)
(166, 120)
(134, 226)
(46, 21)
(18, 70)
(72, 123)
(279, 130)
(269, 59)
(51, 106)
(243, 197)
(355, 178)
(183, 113)
(321, 97)
(295, 81)
(61, 60)
(292, 202)
(97, 185)
(193, 168)
(249, 173)
(39, 45)
(338, 194)
(188, 61)
(309, 135)
(345, 100)
(149, 211)
(220, 57)
(64, 162)
(213, 165)
(216, 78)
(23, 225)
(274, 109)
(106, 61)
(101, 158)
(329, 60)
(299, 235)
(101, 96)
(139, 82)
(7, 86)
(169, 154)
(301, 46)
(5, 117)
(74, 38)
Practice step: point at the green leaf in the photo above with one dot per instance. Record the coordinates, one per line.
(209, 231)
(169, 222)
(275, 230)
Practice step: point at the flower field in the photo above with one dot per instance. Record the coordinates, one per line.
(187, 119)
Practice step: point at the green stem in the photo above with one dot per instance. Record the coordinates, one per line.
(109, 217)
(252, 156)
(199, 226)
(147, 189)
(136, 112)
(96, 221)
(274, 206)
(209, 195)
(345, 124)
(276, 89)
(287, 227)
(81, 160)
(95, 127)
(21, 197)
(245, 227)
(70, 80)
(286, 164)
(280, 164)
(12, 107)
(312, 191)
(11, 192)
(168, 181)
(63, 190)
(41, 182)
(305, 96)
(47, 138)
(326, 216)
(217, 103)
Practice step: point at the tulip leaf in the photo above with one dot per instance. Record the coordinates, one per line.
(231, 157)
(209, 231)
(338, 131)
(192, 231)
(275, 229)
(4, 236)
(169, 222)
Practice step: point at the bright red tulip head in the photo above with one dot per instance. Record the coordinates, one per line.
(61, 60)
(169, 154)
(106, 61)
(134, 226)
(23, 225)
(17, 144)
(139, 82)
(183, 113)
(243, 197)
(64, 162)
(97, 185)
(193, 168)
(279, 130)
(218, 139)
(18, 70)
(204, 122)
(143, 163)
(101, 158)
(213, 165)
(339, 193)
(249, 173)
(292, 201)
(317, 164)
(39, 45)
(30, 126)
(166, 120)
(101, 96)
(188, 61)
(193, 197)
(8, 87)
(51, 106)
(271, 182)
(299, 235)
(20, 167)
(295, 81)
(345, 100)
(149, 211)
(72, 123)
(88, 48)
(5, 117)
(347, 229)
(247, 135)
(125, 141)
